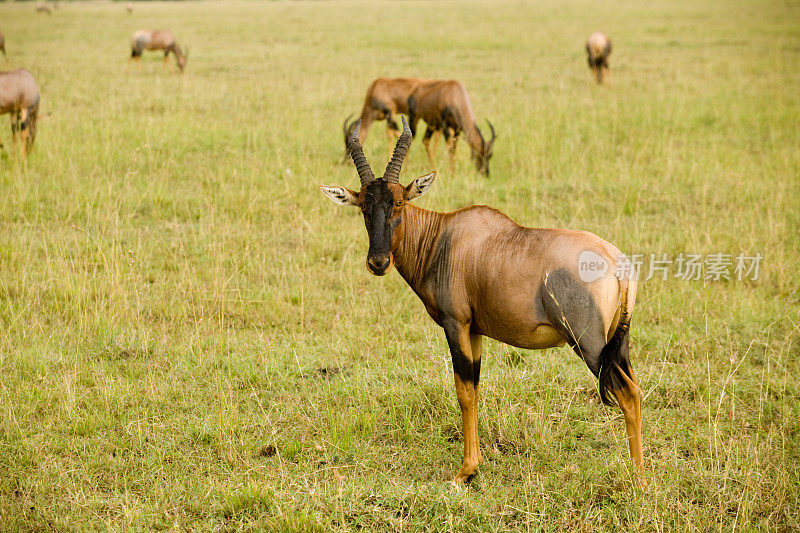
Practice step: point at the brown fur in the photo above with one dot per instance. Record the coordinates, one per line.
(479, 273)
(164, 40)
(3, 43)
(598, 48)
(19, 97)
(385, 99)
(445, 107)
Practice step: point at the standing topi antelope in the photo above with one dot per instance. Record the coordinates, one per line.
(129, 7)
(445, 107)
(481, 274)
(41, 7)
(386, 97)
(598, 48)
(156, 40)
(19, 96)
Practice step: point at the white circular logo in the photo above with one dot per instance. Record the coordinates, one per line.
(591, 266)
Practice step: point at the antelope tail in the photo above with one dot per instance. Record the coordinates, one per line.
(615, 357)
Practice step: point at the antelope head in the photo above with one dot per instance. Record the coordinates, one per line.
(482, 156)
(181, 56)
(381, 200)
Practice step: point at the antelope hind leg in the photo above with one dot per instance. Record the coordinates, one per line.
(426, 141)
(629, 397)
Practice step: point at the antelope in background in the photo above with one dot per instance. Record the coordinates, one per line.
(129, 7)
(386, 97)
(3, 44)
(156, 40)
(598, 48)
(41, 7)
(479, 273)
(445, 107)
(19, 96)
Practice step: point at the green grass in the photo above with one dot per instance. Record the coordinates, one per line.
(189, 337)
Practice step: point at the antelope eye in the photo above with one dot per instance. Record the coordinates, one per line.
(399, 203)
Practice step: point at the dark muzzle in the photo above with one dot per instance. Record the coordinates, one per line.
(379, 263)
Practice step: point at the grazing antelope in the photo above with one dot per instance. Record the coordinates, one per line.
(478, 273)
(3, 44)
(129, 7)
(445, 107)
(41, 7)
(156, 40)
(386, 97)
(19, 96)
(598, 48)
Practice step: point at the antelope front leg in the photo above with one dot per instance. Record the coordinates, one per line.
(451, 149)
(466, 370)
(15, 127)
(390, 138)
(476, 341)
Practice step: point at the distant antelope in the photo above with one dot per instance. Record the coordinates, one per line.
(598, 48)
(481, 274)
(129, 7)
(41, 7)
(3, 44)
(386, 97)
(156, 40)
(19, 96)
(445, 107)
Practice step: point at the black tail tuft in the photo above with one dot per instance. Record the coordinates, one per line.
(614, 358)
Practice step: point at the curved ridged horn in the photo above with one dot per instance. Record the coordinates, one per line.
(364, 172)
(347, 127)
(392, 174)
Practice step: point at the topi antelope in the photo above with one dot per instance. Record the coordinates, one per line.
(478, 273)
(3, 44)
(156, 40)
(129, 7)
(41, 7)
(386, 97)
(598, 48)
(19, 96)
(445, 107)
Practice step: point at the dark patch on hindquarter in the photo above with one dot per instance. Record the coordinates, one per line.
(381, 108)
(571, 308)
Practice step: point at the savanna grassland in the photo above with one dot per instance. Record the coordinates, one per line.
(189, 338)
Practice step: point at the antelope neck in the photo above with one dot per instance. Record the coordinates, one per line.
(413, 246)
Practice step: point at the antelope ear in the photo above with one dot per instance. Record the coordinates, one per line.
(420, 186)
(340, 195)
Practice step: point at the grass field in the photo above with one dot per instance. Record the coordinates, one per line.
(189, 338)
